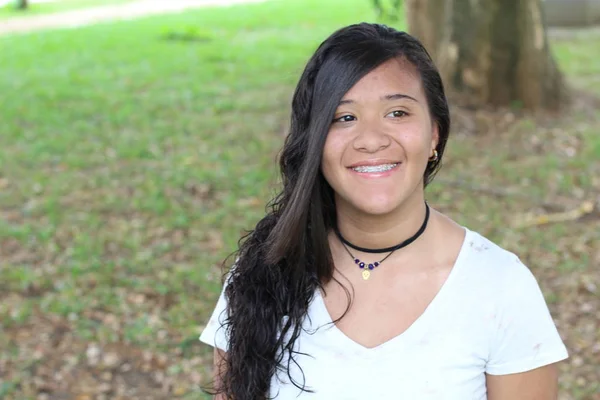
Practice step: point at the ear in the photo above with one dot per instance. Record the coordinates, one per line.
(435, 136)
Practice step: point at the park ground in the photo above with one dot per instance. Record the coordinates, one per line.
(134, 154)
(41, 7)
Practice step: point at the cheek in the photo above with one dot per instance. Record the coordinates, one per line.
(326, 161)
(416, 140)
(332, 164)
(332, 155)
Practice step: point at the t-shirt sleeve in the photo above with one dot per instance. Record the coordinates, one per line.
(524, 334)
(214, 334)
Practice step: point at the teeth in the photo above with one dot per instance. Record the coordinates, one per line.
(374, 168)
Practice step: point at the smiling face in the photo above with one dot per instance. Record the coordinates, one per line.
(380, 141)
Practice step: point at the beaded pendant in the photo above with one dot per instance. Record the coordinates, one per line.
(366, 268)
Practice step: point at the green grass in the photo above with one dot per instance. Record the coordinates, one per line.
(577, 52)
(133, 156)
(10, 11)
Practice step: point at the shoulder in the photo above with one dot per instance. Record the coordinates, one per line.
(485, 252)
(496, 269)
(520, 331)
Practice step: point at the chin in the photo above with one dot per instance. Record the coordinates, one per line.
(377, 207)
(379, 204)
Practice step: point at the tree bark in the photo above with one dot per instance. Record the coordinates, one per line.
(490, 52)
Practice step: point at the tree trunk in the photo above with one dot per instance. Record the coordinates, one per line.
(490, 52)
(22, 4)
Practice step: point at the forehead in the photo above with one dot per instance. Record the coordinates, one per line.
(393, 76)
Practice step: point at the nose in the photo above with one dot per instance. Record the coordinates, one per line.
(372, 137)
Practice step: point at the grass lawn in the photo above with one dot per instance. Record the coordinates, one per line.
(134, 154)
(10, 11)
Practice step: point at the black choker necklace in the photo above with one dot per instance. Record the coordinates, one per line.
(370, 266)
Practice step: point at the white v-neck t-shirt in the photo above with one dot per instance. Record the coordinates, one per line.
(489, 316)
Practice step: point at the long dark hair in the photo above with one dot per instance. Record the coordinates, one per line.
(282, 262)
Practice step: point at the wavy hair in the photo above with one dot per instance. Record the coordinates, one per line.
(282, 262)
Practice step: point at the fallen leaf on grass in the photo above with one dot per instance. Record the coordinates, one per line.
(534, 220)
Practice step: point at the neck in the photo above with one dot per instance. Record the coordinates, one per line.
(380, 231)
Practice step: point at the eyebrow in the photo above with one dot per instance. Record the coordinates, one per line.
(395, 96)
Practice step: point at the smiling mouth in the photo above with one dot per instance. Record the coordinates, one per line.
(374, 168)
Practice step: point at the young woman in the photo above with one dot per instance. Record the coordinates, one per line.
(353, 287)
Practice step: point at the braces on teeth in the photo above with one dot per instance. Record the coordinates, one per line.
(375, 168)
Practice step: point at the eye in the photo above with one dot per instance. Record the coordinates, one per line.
(344, 118)
(397, 114)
